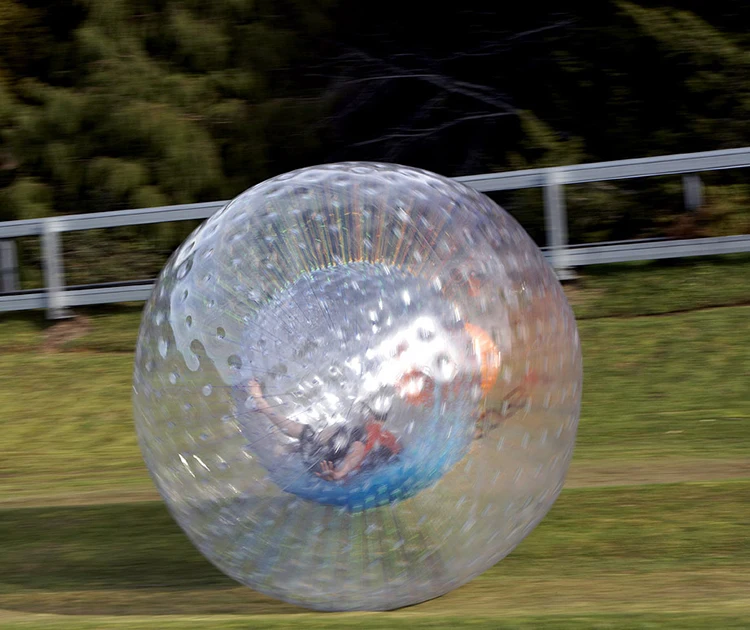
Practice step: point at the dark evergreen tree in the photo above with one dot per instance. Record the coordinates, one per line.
(109, 104)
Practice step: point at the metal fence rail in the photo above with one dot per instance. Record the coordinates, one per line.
(57, 298)
(677, 164)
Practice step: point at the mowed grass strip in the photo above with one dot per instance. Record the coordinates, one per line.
(66, 424)
(379, 621)
(667, 386)
(621, 290)
(660, 287)
(664, 391)
(658, 549)
(374, 621)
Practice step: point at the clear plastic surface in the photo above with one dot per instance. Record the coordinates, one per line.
(358, 386)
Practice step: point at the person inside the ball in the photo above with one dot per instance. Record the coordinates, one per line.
(337, 451)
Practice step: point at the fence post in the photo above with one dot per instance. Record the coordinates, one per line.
(692, 191)
(556, 222)
(53, 269)
(8, 267)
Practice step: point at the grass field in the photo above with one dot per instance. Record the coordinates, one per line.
(650, 532)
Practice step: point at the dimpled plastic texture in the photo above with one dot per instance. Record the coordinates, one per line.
(355, 294)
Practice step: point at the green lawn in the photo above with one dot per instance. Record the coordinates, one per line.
(602, 554)
(653, 288)
(650, 532)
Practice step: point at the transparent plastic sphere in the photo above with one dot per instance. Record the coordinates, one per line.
(357, 386)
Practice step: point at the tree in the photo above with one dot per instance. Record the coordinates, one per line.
(151, 103)
(127, 103)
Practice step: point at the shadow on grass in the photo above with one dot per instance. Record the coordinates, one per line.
(113, 559)
(132, 559)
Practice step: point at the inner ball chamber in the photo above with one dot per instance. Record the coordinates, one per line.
(355, 343)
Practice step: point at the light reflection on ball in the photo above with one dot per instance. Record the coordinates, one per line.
(357, 386)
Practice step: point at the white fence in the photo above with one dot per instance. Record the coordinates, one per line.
(57, 298)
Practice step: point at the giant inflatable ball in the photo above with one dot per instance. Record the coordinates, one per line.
(357, 386)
